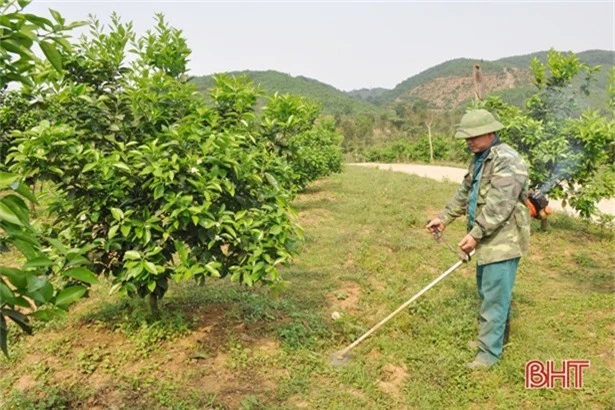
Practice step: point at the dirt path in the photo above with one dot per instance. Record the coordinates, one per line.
(455, 175)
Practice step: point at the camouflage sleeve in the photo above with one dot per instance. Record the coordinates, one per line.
(457, 206)
(509, 176)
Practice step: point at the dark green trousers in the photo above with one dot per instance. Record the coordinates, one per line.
(495, 283)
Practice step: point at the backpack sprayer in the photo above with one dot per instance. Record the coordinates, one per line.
(538, 205)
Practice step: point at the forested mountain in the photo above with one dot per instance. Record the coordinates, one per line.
(449, 84)
(445, 86)
(332, 100)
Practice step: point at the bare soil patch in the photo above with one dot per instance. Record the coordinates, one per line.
(346, 298)
(393, 378)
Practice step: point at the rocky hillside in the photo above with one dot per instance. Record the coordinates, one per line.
(445, 86)
(450, 84)
(452, 91)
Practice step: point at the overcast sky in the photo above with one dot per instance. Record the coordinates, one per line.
(354, 45)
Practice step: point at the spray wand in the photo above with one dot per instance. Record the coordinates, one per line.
(341, 357)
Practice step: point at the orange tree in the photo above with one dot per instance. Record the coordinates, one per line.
(155, 182)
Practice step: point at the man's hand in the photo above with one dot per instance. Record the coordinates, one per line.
(468, 243)
(435, 223)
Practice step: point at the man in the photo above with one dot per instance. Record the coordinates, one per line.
(492, 195)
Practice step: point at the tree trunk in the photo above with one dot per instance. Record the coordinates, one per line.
(428, 124)
(153, 305)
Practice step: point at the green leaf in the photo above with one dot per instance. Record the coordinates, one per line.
(65, 44)
(39, 262)
(89, 167)
(52, 54)
(180, 247)
(70, 295)
(113, 231)
(122, 166)
(57, 17)
(25, 248)
(159, 191)
(24, 190)
(56, 170)
(19, 208)
(132, 255)
(76, 260)
(275, 229)
(6, 214)
(48, 314)
(272, 180)
(150, 267)
(18, 234)
(44, 294)
(151, 285)
(82, 274)
(58, 245)
(6, 295)
(214, 272)
(22, 302)
(125, 229)
(15, 276)
(39, 21)
(17, 48)
(7, 179)
(35, 283)
(117, 214)
(19, 318)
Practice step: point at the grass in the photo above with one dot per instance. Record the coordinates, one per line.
(226, 347)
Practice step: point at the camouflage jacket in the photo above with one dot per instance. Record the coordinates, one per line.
(502, 226)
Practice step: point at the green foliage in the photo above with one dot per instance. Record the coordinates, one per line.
(611, 89)
(166, 50)
(572, 156)
(52, 276)
(312, 151)
(20, 32)
(158, 184)
(444, 149)
(332, 100)
(15, 114)
(317, 153)
(516, 66)
(155, 182)
(357, 131)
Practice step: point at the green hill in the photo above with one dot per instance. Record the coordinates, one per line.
(592, 57)
(446, 86)
(452, 68)
(333, 101)
(449, 84)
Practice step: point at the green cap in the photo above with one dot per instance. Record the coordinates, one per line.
(476, 123)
